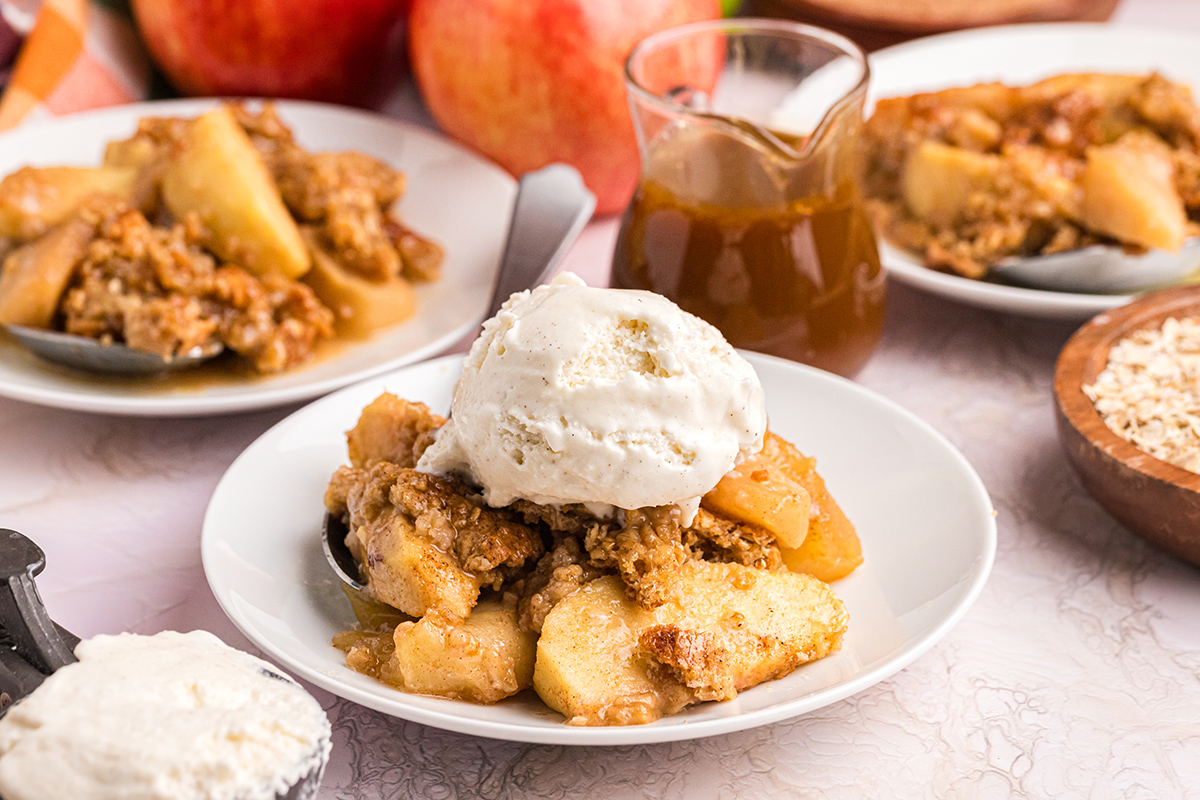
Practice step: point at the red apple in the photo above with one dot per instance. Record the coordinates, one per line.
(528, 82)
(341, 51)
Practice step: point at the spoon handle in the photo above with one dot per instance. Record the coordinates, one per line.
(551, 208)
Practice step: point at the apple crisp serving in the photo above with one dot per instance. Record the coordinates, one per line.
(967, 177)
(611, 621)
(214, 230)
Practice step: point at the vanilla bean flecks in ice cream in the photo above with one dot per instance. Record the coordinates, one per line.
(605, 397)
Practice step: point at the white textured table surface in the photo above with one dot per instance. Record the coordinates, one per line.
(1076, 674)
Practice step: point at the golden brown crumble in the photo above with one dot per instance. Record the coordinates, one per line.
(392, 429)
(346, 196)
(561, 572)
(151, 277)
(1008, 166)
(670, 614)
(157, 289)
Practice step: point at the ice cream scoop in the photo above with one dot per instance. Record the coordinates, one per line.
(173, 716)
(610, 398)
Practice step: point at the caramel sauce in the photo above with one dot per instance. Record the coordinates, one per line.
(780, 263)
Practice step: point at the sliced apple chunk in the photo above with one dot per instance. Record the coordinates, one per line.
(1129, 193)
(484, 658)
(831, 550)
(938, 179)
(218, 175)
(588, 666)
(760, 493)
(35, 199)
(36, 274)
(410, 573)
(604, 660)
(359, 305)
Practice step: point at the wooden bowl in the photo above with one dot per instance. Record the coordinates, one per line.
(879, 23)
(1156, 500)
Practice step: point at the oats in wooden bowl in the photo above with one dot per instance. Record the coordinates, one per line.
(1127, 387)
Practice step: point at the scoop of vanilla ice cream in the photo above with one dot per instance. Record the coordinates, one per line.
(605, 397)
(167, 717)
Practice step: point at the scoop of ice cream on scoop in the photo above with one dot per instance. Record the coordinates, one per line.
(175, 716)
(599, 396)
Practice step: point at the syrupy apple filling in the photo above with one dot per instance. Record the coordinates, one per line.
(611, 621)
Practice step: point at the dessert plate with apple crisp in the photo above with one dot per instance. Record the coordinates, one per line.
(455, 198)
(923, 516)
(1019, 55)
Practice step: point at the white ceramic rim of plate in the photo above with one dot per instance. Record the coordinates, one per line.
(638, 734)
(996, 296)
(186, 404)
(1013, 299)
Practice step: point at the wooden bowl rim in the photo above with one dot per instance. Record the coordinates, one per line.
(964, 15)
(1085, 355)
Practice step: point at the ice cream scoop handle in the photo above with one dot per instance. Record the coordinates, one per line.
(551, 208)
(35, 636)
(18, 677)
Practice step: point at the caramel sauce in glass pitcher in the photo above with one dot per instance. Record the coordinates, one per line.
(761, 233)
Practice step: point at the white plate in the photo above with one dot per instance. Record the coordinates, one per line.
(1019, 55)
(923, 515)
(997, 297)
(454, 197)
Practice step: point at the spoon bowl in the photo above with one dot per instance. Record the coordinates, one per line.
(1102, 269)
(83, 352)
(337, 553)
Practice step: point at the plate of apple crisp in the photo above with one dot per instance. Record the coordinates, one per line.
(584, 532)
(1026, 143)
(309, 245)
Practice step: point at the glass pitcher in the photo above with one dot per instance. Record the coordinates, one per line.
(747, 212)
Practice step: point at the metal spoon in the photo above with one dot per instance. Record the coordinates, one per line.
(337, 552)
(1102, 269)
(551, 208)
(84, 352)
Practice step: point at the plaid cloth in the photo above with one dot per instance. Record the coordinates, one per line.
(76, 55)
